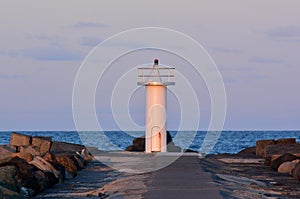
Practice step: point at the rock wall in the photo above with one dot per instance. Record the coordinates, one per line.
(263, 146)
(281, 155)
(29, 165)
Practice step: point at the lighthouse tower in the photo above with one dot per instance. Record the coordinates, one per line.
(156, 79)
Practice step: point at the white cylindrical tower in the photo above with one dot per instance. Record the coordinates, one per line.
(156, 117)
(155, 80)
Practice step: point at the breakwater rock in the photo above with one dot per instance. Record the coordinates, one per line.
(281, 155)
(271, 169)
(29, 165)
(138, 144)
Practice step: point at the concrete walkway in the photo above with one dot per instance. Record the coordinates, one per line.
(184, 178)
(181, 179)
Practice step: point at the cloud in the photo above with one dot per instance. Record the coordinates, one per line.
(3, 76)
(235, 68)
(254, 76)
(52, 39)
(226, 50)
(9, 53)
(45, 54)
(288, 31)
(52, 53)
(238, 74)
(264, 60)
(90, 41)
(237, 79)
(83, 24)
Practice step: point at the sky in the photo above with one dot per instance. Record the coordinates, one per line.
(255, 45)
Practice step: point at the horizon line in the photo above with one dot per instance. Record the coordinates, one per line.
(43, 130)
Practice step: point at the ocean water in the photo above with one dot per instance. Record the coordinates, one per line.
(228, 141)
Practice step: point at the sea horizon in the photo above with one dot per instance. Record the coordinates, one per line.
(14, 130)
(227, 141)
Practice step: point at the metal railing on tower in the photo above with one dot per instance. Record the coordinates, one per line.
(156, 75)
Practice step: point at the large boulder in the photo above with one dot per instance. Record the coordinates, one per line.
(66, 160)
(51, 179)
(25, 156)
(17, 139)
(44, 145)
(281, 159)
(6, 151)
(8, 194)
(296, 171)
(25, 172)
(280, 149)
(50, 157)
(138, 144)
(85, 154)
(44, 165)
(66, 147)
(251, 151)
(61, 169)
(261, 146)
(8, 148)
(287, 167)
(171, 147)
(33, 150)
(9, 177)
(79, 161)
(48, 138)
(41, 180)
(169, 137)
(285, 141)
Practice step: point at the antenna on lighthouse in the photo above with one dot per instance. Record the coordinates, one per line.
(156, 79)
(155, 70)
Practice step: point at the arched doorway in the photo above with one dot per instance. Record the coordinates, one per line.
(155, 139)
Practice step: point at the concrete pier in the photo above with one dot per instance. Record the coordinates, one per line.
(184, 178)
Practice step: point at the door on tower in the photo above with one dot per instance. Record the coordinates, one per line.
(155, 139)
